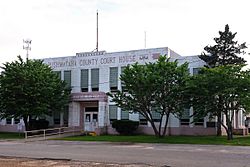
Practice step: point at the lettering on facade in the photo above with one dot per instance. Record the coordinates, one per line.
(103, 60)
(143, 57)
(89, 96)
(67, 63)
(87, 62)
(127, 59)
(107, 60)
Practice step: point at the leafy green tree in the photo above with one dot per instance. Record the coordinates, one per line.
(226, 51)
(224, 89)
(30, 89)
(153, 87)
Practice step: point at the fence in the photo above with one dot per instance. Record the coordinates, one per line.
(44, 133)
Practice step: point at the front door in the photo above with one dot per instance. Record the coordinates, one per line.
(90, 119)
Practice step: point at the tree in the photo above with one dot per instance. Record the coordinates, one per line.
(226, 51)
(153, 87)
(224, 89)
(30, 89)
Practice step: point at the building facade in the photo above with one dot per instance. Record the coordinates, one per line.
(92, 74)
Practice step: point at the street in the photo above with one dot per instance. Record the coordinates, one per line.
(128, 153)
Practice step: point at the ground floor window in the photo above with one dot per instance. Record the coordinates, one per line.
(56, 118)
(143, 120)
(124, 115)
(8, 120)
(199, 122)
(66, 116)
(156, 116)
(211, 124)
(112, 113)
(184, 120)
(17, 120)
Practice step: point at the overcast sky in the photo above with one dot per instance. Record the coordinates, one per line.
(63, 27)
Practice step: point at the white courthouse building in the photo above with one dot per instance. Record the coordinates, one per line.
(92, 74)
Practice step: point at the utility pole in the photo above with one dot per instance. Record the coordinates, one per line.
(27, 47)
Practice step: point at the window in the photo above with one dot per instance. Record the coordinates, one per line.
(66, 115)
(95, 117)
(112, 113)
(56, 117)
(91, 109)
(185, 117)
(143, 120)
(124, 115)
(8, 120)
(17, 120)
(122, 84)
(211, 124)
(67, 78)
(113, 79)
(156, 116)
(199, 122)
(58, 73)
(84, 80)
(196, 71)
(95, 79)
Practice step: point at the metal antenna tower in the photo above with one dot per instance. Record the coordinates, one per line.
(27, 47)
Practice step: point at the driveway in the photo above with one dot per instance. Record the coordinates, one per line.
(128, 153)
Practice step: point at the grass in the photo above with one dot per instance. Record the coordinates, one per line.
(213, 140)
(9, 135)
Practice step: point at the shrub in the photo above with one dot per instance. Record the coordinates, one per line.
(125, 127)
(39, 124)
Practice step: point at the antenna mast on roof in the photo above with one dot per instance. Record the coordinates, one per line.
(97, 31)
(26, 46)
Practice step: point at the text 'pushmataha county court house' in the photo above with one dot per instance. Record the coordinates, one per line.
(92, 74)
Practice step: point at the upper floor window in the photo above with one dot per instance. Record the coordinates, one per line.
(196, 71)
(113, 79)
(84, 80)
(122, 84)
(58, 73)
(67, 78)
(95, 79)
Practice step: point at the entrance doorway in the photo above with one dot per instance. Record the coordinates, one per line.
(90, 118)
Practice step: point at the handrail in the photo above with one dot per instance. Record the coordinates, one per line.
(55, 131)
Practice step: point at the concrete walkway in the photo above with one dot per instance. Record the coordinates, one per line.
(126, 153)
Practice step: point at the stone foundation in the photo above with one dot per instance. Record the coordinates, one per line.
(191, 131)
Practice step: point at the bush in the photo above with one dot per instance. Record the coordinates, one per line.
(125, 127)
(39, 124)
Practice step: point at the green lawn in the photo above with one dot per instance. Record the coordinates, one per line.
(214, 140)
(9, 135)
